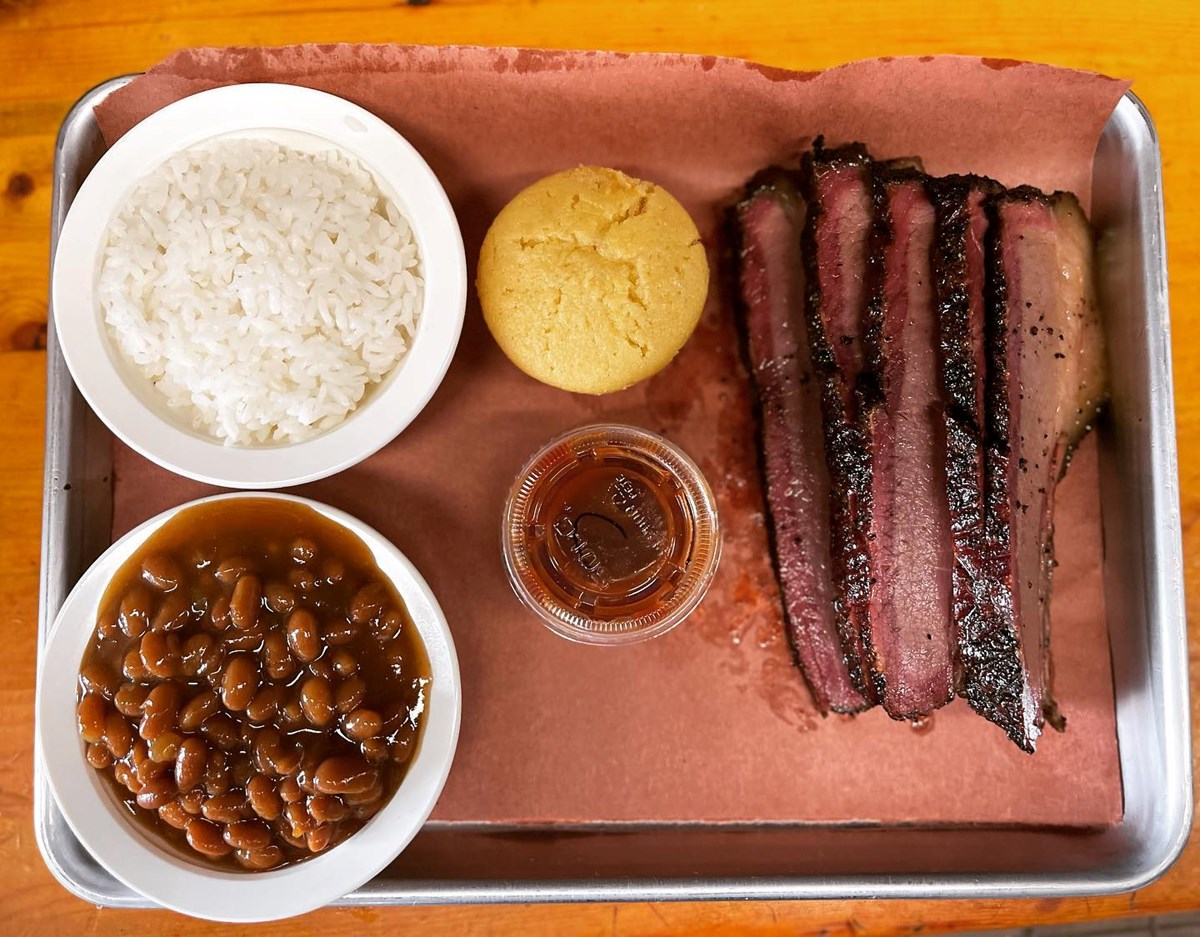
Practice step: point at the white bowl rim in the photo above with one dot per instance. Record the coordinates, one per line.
(262, 111)
(165, 877)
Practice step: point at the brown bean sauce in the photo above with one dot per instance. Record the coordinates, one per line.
(255, 688)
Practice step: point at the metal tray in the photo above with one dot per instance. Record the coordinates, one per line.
(1144, 592)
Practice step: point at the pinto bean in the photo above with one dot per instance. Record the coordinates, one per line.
(129, 699)
(299, 819)
(91, 713)
(303, 635)
(344, 774)
(344, 663)
(137, 606)
(394, 654)
(391, 624)
(308, 766)
(165, 747)
(401, 749)
(173, 814)
(174, 612)
(118, 734)
(201, 655)
(264, 799)
(321, 667)
(100, 679)
(319, 839)
(108, 626)
(218, 614)
(205, 837)
(197, 709)
(147, 768)
(240, 683)
(248, 834)
(159, 710)
(362, 724)
(246, 602)
(241, 767)
(133, 668)
(316, 699)
(277, 659)
(303, 581)
(289, 791)
(291, 716)
(327, 809)
(285, 833)
(279, 597)
(368, 796)
(364, 812)
(350, 695)
(127, 777)
(368, 603)
(216, 774)
(275, 754)
(157, 792)
(226, 808)
(158, 656)
(237, 642)
(161, 572)
(231, 569)
(265, 705)
(260, 859)
(189, 763)
(98, 755)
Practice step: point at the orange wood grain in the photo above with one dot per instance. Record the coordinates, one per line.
(53, 50)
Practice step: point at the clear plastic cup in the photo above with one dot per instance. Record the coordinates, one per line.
(610, 535)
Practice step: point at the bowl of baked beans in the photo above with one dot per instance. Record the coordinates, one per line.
(248, 706)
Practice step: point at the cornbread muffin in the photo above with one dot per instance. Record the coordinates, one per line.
(591, 280)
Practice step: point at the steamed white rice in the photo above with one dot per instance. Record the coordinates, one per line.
(260, 289)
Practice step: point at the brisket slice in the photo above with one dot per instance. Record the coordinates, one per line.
(836, 187)
(1045, 383)
(909, 539)
(791, 446)
(958, 284)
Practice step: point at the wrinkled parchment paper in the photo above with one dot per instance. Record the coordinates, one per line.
(710, 722)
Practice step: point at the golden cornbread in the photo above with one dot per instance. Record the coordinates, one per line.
(591, 280)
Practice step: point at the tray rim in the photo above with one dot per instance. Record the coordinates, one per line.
(1170, 665)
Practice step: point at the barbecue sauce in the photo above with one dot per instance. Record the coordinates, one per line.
(609, 533)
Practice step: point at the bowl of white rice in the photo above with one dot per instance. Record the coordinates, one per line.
(259, 285)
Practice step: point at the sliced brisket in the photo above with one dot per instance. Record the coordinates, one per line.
(836, 187)
(958, 282)
(1046, 380)
(769, 221)
(909, 540)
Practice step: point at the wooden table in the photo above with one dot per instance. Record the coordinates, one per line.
(53, 50)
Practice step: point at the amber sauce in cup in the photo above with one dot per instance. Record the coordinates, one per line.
(611, 535)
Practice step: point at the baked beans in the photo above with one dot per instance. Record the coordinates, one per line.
(254, 687)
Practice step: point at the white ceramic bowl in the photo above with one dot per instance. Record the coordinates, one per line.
(306, 120)
(165, 876)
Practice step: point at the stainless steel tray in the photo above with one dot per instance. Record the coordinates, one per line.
(1144, 592)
